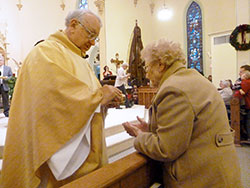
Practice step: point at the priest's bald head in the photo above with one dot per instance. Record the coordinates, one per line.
(82, 28)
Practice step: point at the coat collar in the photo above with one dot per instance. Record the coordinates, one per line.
(62, 38)
(171, 70)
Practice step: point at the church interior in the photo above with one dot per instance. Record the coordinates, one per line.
(209, 23)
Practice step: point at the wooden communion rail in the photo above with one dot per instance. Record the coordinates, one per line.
(133, 171)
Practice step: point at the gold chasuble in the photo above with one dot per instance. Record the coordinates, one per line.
(55, 95)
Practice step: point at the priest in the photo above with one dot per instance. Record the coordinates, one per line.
(55, 130)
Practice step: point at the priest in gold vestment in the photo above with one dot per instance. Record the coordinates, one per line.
(55, 130)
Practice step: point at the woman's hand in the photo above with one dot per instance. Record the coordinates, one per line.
(134, 129)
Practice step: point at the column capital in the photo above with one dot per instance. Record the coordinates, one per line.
(135, 2)
(100, 4)
(152, 7)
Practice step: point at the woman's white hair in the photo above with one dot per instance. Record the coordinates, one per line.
(225, 83)
(163, 51)
(79, 15)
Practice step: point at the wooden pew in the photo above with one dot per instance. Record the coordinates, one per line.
(145, 95)
(133, 171)
(235, 118)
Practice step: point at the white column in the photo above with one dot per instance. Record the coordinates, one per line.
(100, 4)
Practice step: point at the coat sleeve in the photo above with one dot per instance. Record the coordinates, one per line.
(174, 117)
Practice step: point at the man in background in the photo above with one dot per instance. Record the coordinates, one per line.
(55, 131)
(237, 84)
(5, 75)
(121, 81)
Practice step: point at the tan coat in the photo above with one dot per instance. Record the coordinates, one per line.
(190, 134)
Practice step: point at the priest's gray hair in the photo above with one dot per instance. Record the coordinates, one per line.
(163, 51)
(79, 15)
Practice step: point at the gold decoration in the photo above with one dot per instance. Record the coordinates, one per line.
(100, 5)
(135, 2)
(19, 5)
(62, 5)
(152, 7)
(3, 47)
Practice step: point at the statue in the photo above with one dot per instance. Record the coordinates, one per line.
(136, 65)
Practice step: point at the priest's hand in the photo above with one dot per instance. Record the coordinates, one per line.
(134, 129)
(110, 93)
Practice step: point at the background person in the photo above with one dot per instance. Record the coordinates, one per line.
(5, 75)
(55, 130)
(106, 72)
(188, 130)
(244, 93)
(11, 84)
(210, 78)
(121, 81)
(237, 84)
(226, 94)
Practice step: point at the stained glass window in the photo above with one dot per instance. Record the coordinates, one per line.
(194, 37)
(83, 4)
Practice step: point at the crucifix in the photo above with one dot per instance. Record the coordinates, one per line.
(116, 61)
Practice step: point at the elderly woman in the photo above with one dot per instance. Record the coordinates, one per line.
(188, 130)
(226, 91)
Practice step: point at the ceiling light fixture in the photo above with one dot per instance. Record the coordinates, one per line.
(165, 13)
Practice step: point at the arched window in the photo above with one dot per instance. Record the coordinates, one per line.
(194, 37)
(83, 4)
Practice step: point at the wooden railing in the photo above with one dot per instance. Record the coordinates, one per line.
(133, 171)
(235, 118)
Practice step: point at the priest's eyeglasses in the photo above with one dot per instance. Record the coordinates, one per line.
(91, 35)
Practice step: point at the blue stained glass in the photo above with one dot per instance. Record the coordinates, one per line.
(83, 4)
(194, 37)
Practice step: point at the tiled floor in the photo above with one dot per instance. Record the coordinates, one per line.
(244, 157)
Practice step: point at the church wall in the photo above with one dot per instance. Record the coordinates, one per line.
(218, 16)
(35, 21)
(39, 18)
(243, 17)
(120, 22)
